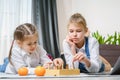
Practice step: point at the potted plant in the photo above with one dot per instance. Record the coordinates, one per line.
(109, 46)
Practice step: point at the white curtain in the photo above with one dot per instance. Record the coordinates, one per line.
(12, 14)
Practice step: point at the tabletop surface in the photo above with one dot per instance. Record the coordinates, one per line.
(82, 76)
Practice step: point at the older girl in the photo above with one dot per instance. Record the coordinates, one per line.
(81, 50)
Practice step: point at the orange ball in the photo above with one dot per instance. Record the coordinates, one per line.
(40, 71)
(23, 71)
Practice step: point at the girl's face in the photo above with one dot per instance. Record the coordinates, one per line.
(76, 33)
(30, 43)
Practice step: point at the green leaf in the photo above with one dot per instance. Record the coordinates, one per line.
(110, 39)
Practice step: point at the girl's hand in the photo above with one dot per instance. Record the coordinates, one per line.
(58, 62)
(69, 40)
(48, 65)
(81, 57)
(72, 44)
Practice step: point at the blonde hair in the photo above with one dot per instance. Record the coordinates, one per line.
(21, 32)
(78, 19)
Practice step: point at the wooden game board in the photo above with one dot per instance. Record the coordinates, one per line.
(58, 72)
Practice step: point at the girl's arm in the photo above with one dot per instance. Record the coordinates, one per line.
(67, 52)
(18, 60)
(71, 44)
(46, 61)
(94, 56)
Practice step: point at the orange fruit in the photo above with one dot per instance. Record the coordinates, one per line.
(23, 71)
(40, 71)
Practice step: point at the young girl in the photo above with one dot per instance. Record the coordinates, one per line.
(81, 51)
(25, 51)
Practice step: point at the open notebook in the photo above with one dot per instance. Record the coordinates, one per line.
(115, 70)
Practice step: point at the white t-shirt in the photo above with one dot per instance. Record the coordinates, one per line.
(93, 51)
(21, 58)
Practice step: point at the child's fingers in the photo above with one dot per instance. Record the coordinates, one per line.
(50, 63)
(79, 57)
(47, 65)
(58, 62)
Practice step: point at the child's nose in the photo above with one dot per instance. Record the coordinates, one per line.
(34, 45)
(74, 33)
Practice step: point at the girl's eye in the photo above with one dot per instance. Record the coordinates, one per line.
(71, 31)
(29, 44)
(32, 43)
(79, 31)
(35, 42)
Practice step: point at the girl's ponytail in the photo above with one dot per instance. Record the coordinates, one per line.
(9, 57)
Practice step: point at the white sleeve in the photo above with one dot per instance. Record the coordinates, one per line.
(17, 59)
(67, 52)
(94, 56)
(43, 56)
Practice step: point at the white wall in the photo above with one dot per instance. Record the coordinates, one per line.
(64, 10)
(101, 15)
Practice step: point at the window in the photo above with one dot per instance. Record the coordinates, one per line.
(12, 14)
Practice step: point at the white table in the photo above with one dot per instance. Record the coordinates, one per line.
(82, 76)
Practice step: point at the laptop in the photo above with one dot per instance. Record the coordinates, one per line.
(115, 70)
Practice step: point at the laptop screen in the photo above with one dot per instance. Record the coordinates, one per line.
(116, 68)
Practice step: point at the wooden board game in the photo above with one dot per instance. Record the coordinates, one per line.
(58, 72)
